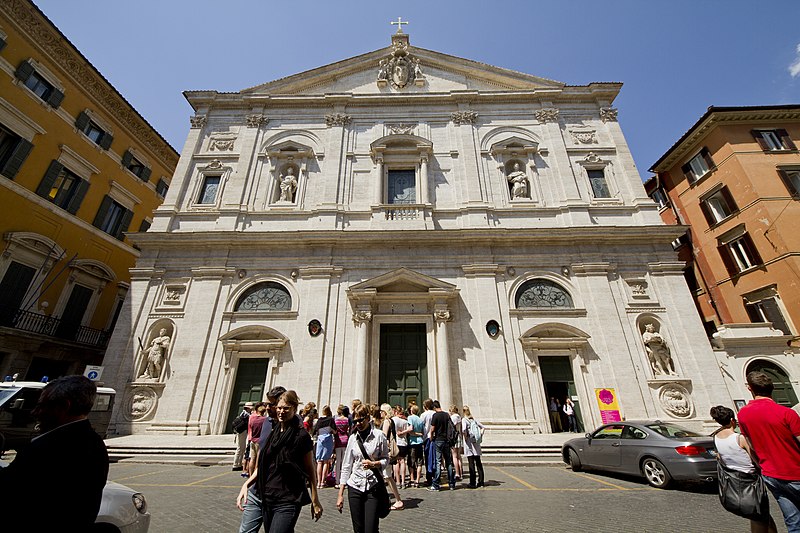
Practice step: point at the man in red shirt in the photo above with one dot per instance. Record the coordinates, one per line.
(774, 433)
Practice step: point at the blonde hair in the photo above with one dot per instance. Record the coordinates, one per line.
(454, 409)
(467, 412)
(290, 398)
(386, 409)
(326, 410)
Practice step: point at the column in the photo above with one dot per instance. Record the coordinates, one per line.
(378, 198)
(423, 179)
(442, 316)
(362, 321)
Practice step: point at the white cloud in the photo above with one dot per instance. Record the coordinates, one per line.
(794, 68)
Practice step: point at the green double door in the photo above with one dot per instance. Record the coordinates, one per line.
(249, 387)
(403, 364)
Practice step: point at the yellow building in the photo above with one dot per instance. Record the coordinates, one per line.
(79, 167)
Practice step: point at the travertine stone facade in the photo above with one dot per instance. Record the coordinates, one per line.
(405, 212)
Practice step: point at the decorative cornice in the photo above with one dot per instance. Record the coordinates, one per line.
(464, 117)
(337, 119)
(608, 114)
(44, 35)
(256, 120)
(198, 121)
(547, 114)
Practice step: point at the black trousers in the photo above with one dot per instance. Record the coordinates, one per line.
(475, 462)
(363, 510)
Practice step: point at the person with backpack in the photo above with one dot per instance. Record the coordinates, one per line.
(443, 438)
(240, 436)
(473, 436)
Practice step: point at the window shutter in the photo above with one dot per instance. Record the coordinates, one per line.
(106, 140)
(24, 71)
(123, 227)
(127, 157)
(760, 139)
(144, 226)
(56, 97)
(17, 157)
(752, 251)
(727, 260)
(49, 179)
(707, 156)
(729, 199)
(687, 171)
(774, 315)
(82, 121)
(788, 182)
(787, 141)
(146, 174)
(2, 44)
(77, 198)
(753, 314)
(707, 213)
(101, 213)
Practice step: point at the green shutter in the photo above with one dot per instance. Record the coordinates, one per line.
(106, 140)
(146, 174)
(144, 226)
(16, 158)
(101, 213)
(82, 121)
(77, 198)
(24, 71)
(127, 157)
(2, 44)
(123, 227)
(56, 97)
(49, 179)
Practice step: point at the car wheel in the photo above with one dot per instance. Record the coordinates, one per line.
(656, 473)
(574, 460)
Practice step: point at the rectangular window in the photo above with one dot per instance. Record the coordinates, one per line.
(768, 310)
(27, 75)
(659, 197)
(773, 140)
(698, 166)
(135, 166)
(113, 218)
(40, 87)
(13, 152)
(63, 187)
(597, 179)
(161, 188)
(739, 254)
(402, 187)
(791, 178)
(208, 192)
(718, 206)
(94, 132)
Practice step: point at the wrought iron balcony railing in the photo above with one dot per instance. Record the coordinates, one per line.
(53, 327)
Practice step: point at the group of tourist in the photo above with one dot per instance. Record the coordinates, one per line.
(295, 454)
(562, 415)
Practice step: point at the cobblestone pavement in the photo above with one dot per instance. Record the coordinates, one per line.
(185, 498)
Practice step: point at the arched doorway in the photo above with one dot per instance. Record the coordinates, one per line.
(783, 392)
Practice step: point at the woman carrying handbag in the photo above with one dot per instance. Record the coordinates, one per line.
(741, 489)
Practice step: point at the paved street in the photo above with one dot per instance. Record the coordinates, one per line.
(197, 499)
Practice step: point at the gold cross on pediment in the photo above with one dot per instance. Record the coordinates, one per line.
(399, 23)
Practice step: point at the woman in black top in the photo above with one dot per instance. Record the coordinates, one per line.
(285, 464)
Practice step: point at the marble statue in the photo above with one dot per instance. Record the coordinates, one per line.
(155, 356)
(383, 70)
(658, 352)
(519, 183)
(417, 69)
(288, 186)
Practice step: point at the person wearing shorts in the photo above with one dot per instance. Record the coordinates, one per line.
(402, 429)
(416, 449)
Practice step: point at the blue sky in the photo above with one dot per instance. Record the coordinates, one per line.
(675, 57)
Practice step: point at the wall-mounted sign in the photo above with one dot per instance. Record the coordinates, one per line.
(314, 328)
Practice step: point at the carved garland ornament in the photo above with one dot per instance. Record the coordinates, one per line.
(675, 400)
(464, 117)
(583, 137)
(337, 119)
(401, 129)
(547, 114)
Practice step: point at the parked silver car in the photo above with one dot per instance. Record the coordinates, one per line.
(658, 451)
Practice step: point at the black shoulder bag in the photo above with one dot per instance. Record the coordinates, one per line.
(741, 493)
(384, 505)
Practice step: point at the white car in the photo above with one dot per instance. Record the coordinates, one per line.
(121, 507)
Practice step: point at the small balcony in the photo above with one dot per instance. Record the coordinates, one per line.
(60, 328)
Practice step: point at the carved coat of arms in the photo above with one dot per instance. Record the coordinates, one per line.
(400, 69)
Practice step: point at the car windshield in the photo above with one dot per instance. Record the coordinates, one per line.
(5, 394)
(671, 431)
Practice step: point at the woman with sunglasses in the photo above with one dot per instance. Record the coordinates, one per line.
(285, 463)
(358, 472)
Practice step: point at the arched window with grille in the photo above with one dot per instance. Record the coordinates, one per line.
(542, 293)
(266, 296)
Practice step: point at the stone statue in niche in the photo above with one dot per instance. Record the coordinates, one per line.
(383, 70)
(156, 353)
(288, 184)
(417, 69)
(519, 183)
(658, 352)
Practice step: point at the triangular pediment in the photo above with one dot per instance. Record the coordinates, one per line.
(441, 73)
(403, 280)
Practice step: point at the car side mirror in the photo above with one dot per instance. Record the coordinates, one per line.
(589, 436)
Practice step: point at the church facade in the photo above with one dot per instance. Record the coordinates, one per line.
(407, 224)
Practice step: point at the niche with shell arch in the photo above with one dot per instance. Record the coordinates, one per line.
(289, 163)
(657, 346)
(154, 353)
